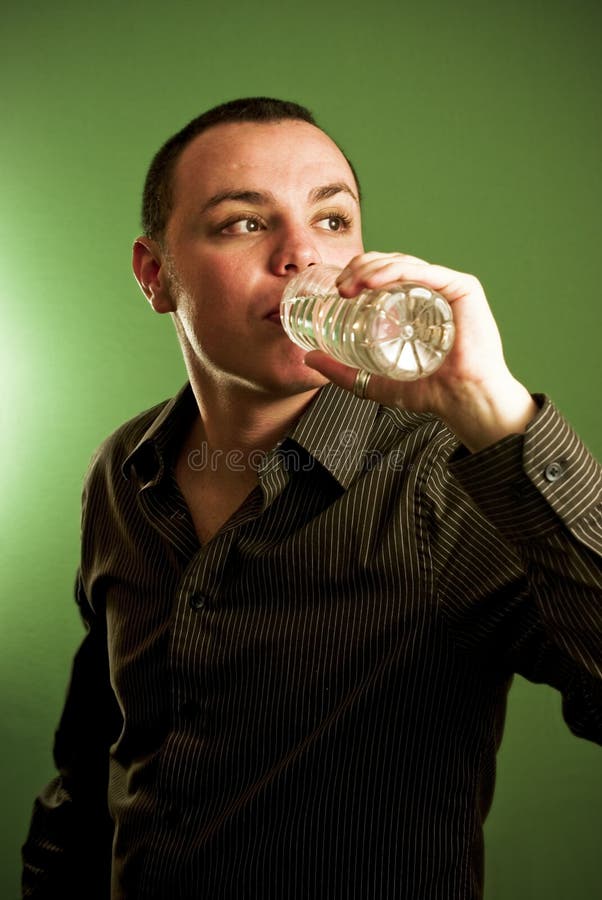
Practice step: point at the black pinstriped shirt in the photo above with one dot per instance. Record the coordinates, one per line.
(308, 706)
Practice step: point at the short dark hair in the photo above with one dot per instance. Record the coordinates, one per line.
(157, 193)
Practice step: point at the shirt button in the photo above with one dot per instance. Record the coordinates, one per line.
(197, 602)
(554, 470)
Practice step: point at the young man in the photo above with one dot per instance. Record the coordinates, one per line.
(306, 593)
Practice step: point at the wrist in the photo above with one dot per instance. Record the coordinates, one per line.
(482, 414)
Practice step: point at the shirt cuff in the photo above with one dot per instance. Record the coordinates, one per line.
(530, 485)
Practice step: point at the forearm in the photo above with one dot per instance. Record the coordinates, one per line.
(543, 493)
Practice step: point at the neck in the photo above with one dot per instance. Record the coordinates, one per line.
(241, 421)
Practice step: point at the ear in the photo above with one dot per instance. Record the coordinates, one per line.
(147, 263)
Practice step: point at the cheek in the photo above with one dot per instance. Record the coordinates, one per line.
(222, 281)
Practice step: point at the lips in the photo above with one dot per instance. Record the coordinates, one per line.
(272, 301)
(273, 314)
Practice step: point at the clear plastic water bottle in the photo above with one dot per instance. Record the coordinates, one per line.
(404, 331)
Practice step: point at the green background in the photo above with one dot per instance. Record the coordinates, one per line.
(476, 132)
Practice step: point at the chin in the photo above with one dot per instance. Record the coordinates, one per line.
(291, 375)
(300, 381)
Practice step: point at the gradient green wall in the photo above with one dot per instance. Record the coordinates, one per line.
(476, 129)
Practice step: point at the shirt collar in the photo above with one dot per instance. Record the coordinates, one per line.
(334, 429)
(147, 460)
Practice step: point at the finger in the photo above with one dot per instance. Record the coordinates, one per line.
(335, 371)
(369, 255)
(376, 275)
(373, 259)
(379, 388)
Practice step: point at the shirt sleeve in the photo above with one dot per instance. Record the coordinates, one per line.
(537, 522)
(67, 852)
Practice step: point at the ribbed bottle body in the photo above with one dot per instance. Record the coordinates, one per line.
(404, 332)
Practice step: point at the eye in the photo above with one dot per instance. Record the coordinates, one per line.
(334, 222)
(243, 225)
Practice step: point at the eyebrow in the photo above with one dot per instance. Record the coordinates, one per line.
(262, 198)
(255, 198)
(330, 190)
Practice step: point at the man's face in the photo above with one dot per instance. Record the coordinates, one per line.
(253, 205)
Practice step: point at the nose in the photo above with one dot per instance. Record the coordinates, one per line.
(294, 251)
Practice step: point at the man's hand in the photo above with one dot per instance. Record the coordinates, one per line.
(473, 392)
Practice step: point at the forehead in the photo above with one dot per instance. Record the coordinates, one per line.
(281, 156)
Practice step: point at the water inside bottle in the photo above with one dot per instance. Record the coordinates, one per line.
(404, 333)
